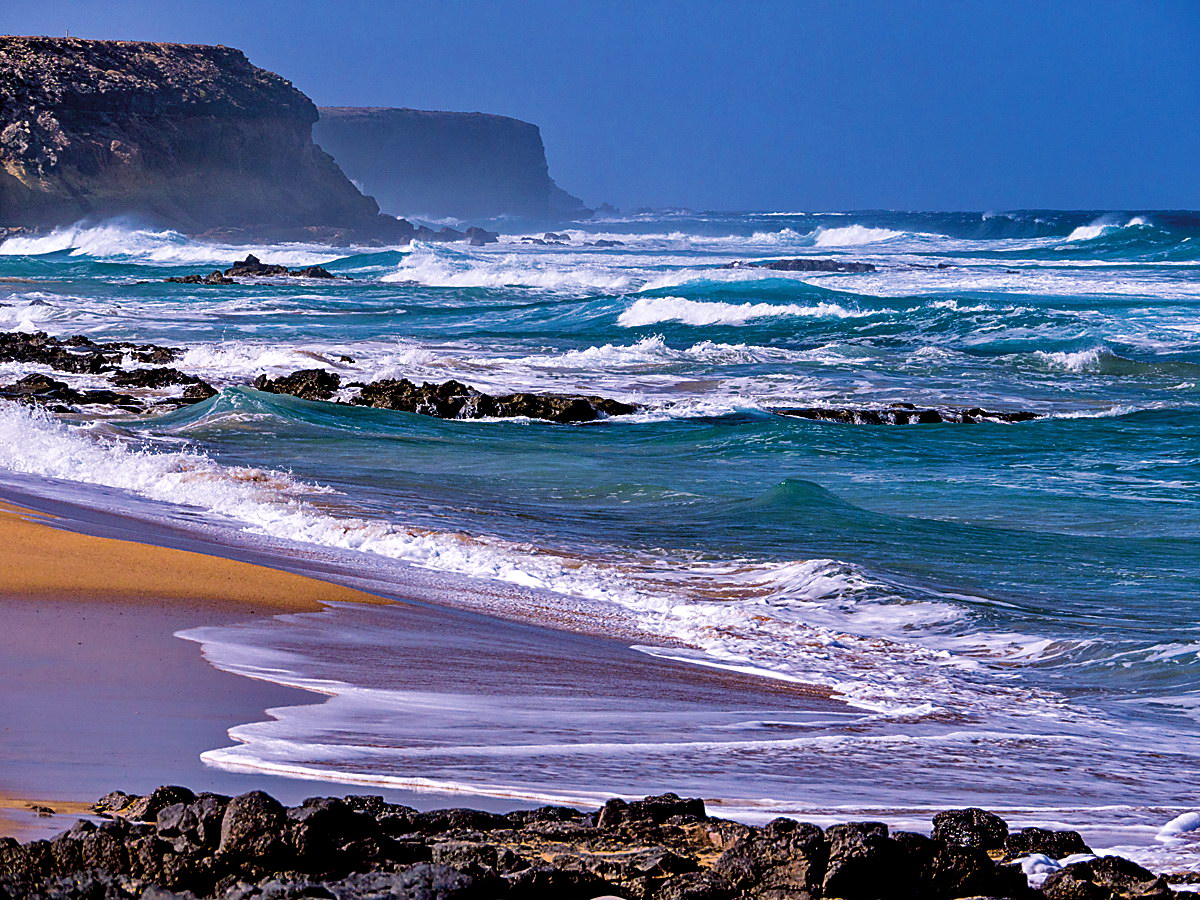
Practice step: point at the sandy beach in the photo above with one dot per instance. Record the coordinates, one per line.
(102, 695)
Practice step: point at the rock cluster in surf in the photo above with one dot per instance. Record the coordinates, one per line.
(803, 265)
(905, 414)
(173, 843)
(445, 400)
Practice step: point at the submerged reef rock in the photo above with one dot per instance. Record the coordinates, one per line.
(438, 164)
(174, 843)
(214, 277)
(803, 265)
(185, 136)
(905, 414)
(58, 395)
(455, 400)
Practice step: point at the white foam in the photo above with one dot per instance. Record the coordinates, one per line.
(439, 267)
(1102, 226)
(120, 241)
(852, 236)
(1186, 823)
(652, 310)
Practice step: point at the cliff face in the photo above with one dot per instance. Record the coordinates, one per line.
(437, 164)
(186, 136)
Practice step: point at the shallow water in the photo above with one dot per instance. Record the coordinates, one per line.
(1011, 609)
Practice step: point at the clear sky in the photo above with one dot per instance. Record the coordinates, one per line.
(827, 104)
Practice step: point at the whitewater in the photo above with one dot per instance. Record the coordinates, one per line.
(1008, 611)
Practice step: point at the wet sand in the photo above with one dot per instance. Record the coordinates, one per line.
(100, 695)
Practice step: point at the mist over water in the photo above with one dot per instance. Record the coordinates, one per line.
(1011, 610)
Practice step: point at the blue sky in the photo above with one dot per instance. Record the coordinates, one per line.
(798, 105)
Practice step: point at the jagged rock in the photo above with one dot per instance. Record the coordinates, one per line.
(253, 267)
(213, 277)
(78, 354)
(477, 237)
(971, 827)
(904, 414)
(652, 809)
(803, 265)
(784, 856)
(311, 272)
(1055, 844)
(252, 832)
(658, 848)
(1106, 878)
(46, 391)
(307, 384)
(153, 378)
(455, 400)
(147, 808)
(604, 243)
(194, 393)
(557, 238)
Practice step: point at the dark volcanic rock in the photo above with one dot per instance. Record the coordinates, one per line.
(905, 414)
(477, 237)
(193, 137)
(1055, 844)
(1106, 878)
(971, 827)
(252, 267)
(213, 277)
(46, 391)
(307, 384)
(455, 400)
(78, 354)
(153, 378)
(659, 848)
(803, 265)
(311, 272)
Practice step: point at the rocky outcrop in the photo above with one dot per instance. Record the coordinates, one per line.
(185, 136)
(661, 848)
(79, 354)
(438, 164)
(905, 414)
(803, 265)
(455, 400)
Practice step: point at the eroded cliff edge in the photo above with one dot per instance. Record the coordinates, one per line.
(190, 137)
(445, 164)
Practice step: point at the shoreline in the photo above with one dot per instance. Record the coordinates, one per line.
(136, 706)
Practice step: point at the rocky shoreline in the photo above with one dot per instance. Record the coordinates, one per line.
(173, 843)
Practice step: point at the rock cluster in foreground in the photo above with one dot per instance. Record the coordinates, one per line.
(174, 843)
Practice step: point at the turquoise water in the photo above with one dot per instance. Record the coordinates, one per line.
(1036, 586)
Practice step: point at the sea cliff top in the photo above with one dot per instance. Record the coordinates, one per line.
(141, 78)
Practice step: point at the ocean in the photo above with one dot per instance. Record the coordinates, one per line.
(1011, 612)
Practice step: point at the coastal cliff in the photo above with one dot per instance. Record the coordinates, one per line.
(190, 137)
(439, 164)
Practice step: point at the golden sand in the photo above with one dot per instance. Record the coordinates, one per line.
(37, 560)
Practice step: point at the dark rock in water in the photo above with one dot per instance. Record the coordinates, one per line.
(307, 384)
(803, 265)
(46, 391)
(78, 354)
(604, 243)
(311, 272)
(971, 827)
(455, 400)
(1104, 878)
(152, 378)
(558, 238)
(477, 237)
(905, 414)
(213, 277)
(252, 267)
(202, 390)
(1055, 844)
